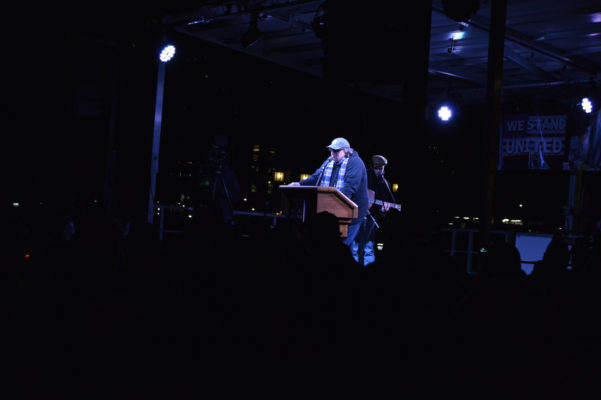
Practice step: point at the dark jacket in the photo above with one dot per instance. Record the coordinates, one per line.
(355, 183)
(382, 192)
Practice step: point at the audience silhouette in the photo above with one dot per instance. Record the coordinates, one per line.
(107, 300)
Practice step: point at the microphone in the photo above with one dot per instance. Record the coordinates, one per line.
(323, 167)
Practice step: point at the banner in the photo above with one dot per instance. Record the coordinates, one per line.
(533, 142)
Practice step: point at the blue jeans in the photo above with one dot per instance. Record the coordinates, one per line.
(366, 238)
(369, 253)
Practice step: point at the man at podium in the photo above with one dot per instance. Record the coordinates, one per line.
(345, 171)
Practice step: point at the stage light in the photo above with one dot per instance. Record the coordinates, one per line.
(587, 105)
(457, 35)
(445, 113)
(167, 53)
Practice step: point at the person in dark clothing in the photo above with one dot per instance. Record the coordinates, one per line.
(381, 201)
(219, 187)
(225, 193)
(346, 171)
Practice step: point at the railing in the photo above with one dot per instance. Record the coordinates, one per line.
(462, 241)
(530, 252)
(469, 249)
(160, 211)
(274, 217)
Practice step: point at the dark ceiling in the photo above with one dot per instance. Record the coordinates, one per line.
(551, 50)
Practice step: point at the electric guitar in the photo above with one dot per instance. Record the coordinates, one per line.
(393, 205)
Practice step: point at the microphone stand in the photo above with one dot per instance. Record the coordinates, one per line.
(323, 167)
(388, 188)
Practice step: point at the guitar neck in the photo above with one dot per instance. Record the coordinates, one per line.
(381, 203)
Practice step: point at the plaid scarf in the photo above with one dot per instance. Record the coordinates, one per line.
(327, 174)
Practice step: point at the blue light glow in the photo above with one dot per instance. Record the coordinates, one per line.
(457, 35)
(167, 53)
(445, 113)
(587, 106)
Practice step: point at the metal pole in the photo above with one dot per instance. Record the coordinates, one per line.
(109, 169)
(571, 223)
(156, 141)
(490, 132)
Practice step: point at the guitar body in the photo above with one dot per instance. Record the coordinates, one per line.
(380, 217)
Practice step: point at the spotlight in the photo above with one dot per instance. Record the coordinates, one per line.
(587, 105)
(445, 113)
(167, 53)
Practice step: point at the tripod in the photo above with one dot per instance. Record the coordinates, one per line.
(222, 207)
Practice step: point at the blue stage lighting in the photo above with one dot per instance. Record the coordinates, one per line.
(445, 113)
(167, 53)
(587, 105)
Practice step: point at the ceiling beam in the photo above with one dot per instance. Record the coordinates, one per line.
(517, 37)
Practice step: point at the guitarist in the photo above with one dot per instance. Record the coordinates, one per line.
(381, 201)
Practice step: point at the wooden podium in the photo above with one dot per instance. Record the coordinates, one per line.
(302, 202)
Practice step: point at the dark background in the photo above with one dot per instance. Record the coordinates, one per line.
(80, 89)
